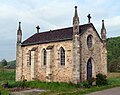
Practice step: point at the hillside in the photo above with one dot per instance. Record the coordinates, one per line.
(113, 48)
(12, 64)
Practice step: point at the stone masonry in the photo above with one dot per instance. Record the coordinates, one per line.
(78, 50)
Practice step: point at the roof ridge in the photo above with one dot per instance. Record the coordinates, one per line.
(54, 35)
(61, 28)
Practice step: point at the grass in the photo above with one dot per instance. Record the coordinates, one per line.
(6, 75)
(113, 75)
(55, 88)
(113, 82)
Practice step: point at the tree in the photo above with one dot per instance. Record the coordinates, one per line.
(114, 65)
(113, 54)
(3, 63)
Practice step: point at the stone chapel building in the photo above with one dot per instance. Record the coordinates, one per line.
(71, 54)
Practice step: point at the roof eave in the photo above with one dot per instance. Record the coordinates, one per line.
(36, 43)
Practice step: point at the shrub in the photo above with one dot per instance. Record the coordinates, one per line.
(92, 81)
(86, 84)
(101, 79)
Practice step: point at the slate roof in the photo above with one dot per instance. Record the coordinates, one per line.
(54, 35)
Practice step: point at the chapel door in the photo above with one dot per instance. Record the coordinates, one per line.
(89, 70)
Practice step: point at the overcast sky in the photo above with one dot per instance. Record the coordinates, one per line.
(52, 14)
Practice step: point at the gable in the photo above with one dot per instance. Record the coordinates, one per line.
(97, 33)
(55, 35)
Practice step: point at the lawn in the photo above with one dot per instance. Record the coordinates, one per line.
(56, 88)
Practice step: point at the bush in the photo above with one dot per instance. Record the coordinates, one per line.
(101, 79)
(86, 84)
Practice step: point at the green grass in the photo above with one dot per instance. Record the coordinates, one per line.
(53, 88)
(56, 88)
(113, 82)
(6, 75)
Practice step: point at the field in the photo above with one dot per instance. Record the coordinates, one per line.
(7, 75)
(113, 75)
(55, 88)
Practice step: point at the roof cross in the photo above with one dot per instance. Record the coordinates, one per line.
(38, 28)
(89, 17)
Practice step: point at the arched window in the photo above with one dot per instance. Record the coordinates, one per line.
(89, 41)
(44, 57)
(62, 56)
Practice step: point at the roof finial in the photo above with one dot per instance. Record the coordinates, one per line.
(76, 14)
(19, 33)
(75, 18)
(19, 28)
(89, 17)
(103, 26)
(38, 28)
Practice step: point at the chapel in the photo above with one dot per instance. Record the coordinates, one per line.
(71, 54)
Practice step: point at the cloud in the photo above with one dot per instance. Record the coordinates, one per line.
(113, 25)
(52, 14)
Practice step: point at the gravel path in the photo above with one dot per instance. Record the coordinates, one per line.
(112, 91)
(28, 92)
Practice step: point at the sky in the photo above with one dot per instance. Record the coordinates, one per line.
(52, 14)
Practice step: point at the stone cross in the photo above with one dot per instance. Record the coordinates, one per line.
(38, 28)
(89, 17)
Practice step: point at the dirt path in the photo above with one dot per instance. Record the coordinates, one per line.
(112, 91)
(28, 92)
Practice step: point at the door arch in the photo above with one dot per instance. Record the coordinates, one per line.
(89, 69)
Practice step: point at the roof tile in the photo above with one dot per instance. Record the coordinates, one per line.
(54, 35)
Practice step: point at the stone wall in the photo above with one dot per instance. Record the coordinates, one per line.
(53, 71)
(96, 54)
(18, 62)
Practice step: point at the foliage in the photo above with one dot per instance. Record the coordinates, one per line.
(45, 85)
(8, 65)
(4, 92)
(86, 84)
(3, 63)
(113, 54)
(101, 79)
(70, 89)
(55, 88)
(12, 64)
(114, 65)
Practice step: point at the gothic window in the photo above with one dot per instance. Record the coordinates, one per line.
(62, 56)
(44, 56)
(89, 41)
